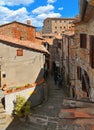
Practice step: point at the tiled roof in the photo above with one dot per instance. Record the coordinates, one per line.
(18, 23)
(60, 18)
(24, 43)
(69, 33)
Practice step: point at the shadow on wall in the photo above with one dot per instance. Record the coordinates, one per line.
(39, 95)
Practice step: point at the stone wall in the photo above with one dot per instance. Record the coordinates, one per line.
(83, 54)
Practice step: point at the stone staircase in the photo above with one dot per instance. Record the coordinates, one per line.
(3, 116)
(46, 115)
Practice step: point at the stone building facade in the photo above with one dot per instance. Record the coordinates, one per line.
(53, 42)
(22, 51)
(57, 25)
(81, 53)
(69, 61)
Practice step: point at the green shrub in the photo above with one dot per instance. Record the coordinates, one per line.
(22, 107)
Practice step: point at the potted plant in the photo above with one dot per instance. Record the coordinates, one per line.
(18, 88)
(27, 86)
(9, 90)
(22, 107)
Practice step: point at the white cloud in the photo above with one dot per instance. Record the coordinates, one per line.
(51, 1)
(50, 14)
(43, 12)
(36, 16)
(15, 2)
(43, 9)
(11, 15)
(38, 20)
(61, 8)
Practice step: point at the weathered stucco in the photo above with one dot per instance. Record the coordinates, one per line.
(19, 70)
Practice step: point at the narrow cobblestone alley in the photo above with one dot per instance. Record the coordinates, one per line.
(44, 116)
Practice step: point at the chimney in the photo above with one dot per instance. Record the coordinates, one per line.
(28, 22)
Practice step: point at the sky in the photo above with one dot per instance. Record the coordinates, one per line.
(36, 10)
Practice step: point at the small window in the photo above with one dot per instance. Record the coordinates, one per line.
(79, 72)
(59, 45)
(55, 27)
(19, 52)
(83, 40)
(60, 27)
(55, 32)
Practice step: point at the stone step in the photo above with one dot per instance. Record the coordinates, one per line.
(36, 124)
(74, 113)
(73, 103)
(1, 105)
(33, 127)
(2, 110)
(3, 121)
(3, 116)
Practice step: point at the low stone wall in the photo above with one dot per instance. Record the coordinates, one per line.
(11, 98)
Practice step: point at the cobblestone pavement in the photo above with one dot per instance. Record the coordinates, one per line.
(46, 115)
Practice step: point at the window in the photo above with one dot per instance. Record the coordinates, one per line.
(55, 32)
(55, 27)
(19, 52)
(55, 21)
(60, 27)
(59, 45)
(83, 40)
(79, 74)
(92, 51)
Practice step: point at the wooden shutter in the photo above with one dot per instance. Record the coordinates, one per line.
(59, 45)
(19, 52)
(83, 40)
(92, 51)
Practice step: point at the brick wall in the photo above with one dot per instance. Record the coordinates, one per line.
(19, 31)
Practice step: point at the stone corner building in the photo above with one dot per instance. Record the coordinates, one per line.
(81, 53)
(21, 55)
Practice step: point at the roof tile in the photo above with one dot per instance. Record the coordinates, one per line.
(24, 43)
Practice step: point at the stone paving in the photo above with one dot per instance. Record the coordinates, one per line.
(46, 115)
